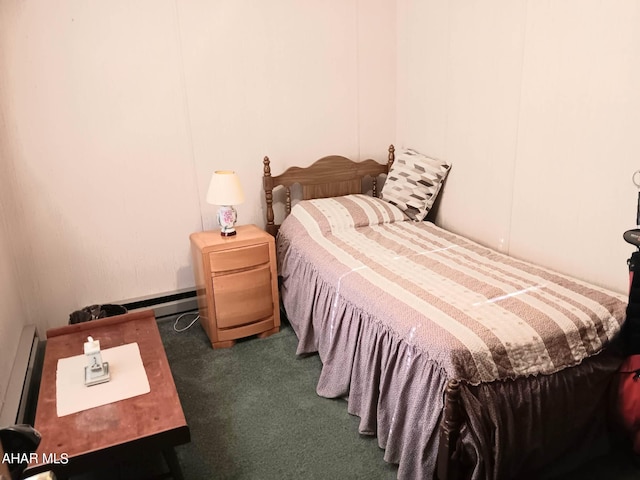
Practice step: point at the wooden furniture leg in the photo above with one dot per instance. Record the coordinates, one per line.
(172, 462)
(268, 333)
(223, 344)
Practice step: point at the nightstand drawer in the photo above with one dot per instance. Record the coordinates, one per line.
(243, 297)
(239, 258)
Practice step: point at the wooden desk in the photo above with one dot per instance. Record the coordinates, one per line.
(105, 435)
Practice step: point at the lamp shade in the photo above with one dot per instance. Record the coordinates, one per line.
(225, 189)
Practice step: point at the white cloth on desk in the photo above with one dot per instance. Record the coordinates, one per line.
(128, 379)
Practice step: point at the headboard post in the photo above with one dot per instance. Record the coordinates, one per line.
(392, 157)
(267, 183)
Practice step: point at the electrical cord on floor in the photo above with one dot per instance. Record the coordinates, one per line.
(175, 324)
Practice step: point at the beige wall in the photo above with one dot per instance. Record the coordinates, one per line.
(288, 79)
(97, 132)
(114, 114)
(14, 306)
(536, 104)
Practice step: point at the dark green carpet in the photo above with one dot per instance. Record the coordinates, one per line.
(254, 414)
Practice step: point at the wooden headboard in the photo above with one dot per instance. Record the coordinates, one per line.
(330, 176)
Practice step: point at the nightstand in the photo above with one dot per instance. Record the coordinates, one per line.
(237, 284)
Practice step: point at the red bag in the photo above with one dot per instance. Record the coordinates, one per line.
(628, 398)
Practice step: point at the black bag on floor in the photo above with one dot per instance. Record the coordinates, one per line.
(94, 312)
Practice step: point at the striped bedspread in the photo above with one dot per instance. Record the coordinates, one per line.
(481, 315)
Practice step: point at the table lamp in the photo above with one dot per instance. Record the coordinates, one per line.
(225, 190)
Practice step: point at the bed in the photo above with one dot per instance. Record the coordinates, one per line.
(464, 362)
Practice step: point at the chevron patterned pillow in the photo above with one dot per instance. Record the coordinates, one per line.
(413, 183)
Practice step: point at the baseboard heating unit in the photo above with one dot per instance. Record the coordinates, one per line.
(20, 398)
(165, 304)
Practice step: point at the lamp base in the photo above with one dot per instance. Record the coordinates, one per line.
(227, 220)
